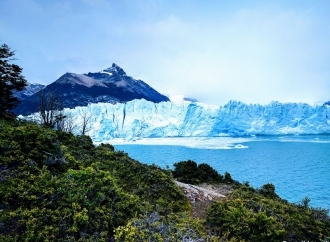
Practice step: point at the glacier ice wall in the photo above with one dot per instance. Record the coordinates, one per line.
(142, 119)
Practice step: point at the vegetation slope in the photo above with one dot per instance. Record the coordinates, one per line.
(55, 186)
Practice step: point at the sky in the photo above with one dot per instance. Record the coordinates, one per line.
(215, 51)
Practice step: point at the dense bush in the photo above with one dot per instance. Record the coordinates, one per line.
(260, 215)
(57, 186)
(189, 172)
(268, 190)
(230, 219)
(83, 203)
(186, 171)
(153, 227)
(150, 183)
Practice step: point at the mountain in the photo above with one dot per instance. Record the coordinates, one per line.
(141, 119)
(28, 91)
(111, 85)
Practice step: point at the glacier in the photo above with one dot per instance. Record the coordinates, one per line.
(138, 119)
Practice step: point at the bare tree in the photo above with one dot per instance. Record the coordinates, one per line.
(86, 121)
(69, 123)
(52, 115)
(50, 107)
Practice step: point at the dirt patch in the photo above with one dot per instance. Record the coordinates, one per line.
(203, 195)
(223, 189)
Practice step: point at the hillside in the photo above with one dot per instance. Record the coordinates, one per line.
(55, 186)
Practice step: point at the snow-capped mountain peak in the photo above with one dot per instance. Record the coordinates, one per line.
(111, 85)
(78, 79)
(114, 69)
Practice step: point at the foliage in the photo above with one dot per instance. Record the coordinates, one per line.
(268, 190)
(81, 203)
(11, 80)
(153, 227)
(150, 183)
(57, 186)
(256, 215)
(231, 219)
(186, 171)
(189, 172)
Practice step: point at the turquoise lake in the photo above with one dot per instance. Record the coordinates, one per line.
(298, 166)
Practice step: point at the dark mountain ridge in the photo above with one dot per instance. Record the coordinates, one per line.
(111, 85)
(28, 91)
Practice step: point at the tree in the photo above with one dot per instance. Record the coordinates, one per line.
(86, 121)
(11, 80)
(186, 171)
(68, 124)
(50, 107)
(208, 174)
(227, 178)
(268, 190)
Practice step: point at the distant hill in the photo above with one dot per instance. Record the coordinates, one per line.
(111, 85)
(29, 90)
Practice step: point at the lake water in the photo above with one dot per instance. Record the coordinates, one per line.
(298, 166)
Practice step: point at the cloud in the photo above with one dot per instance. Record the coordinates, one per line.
(249, 51)
(254, 56)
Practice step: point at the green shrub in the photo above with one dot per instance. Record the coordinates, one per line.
(268, 190)
(154, 227)
(189, 172)
(57, 186)
(230, 219)
(208, 174)
(76, 204)
(253, 216)
(150, 183)
(186, 171)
